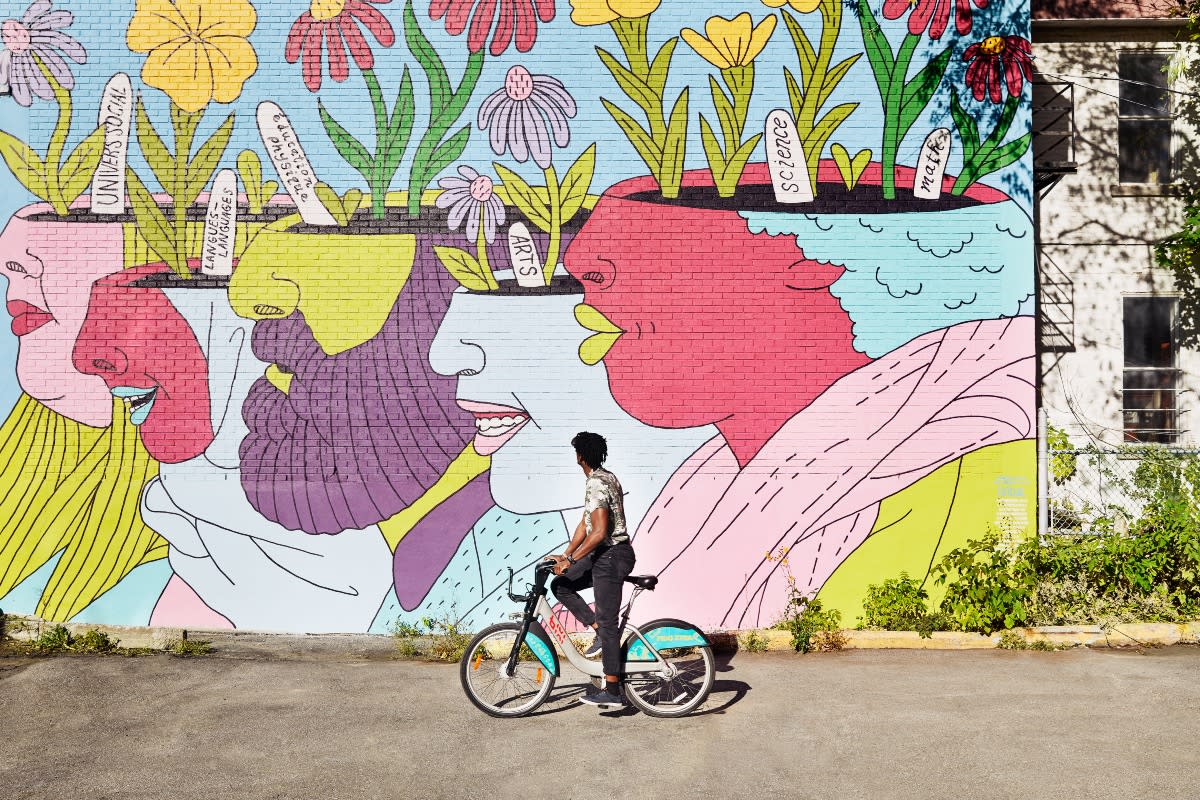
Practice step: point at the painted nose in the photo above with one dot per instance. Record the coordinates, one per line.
(94, 356)
(452, 354)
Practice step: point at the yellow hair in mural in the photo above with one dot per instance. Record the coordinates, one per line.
(74, 489)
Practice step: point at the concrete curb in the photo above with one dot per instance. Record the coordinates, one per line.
(267, 644)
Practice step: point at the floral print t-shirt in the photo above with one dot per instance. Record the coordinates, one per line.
(603, 490)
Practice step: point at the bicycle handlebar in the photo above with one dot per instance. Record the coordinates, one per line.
(544, 567)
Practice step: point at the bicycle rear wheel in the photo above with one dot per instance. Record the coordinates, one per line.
(685, 683)
(483, 672)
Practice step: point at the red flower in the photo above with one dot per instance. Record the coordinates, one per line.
(515, 16)
(997, 60)
(937, 12)
(335, 22)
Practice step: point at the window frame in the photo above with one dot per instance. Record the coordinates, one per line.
(1168, 118)
(1171, 431)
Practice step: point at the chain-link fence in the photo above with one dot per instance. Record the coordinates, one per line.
(1109, 491)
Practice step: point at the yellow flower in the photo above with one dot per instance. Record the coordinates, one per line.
(601, 12)
(731, 42)
(198, 50)
(803, 6)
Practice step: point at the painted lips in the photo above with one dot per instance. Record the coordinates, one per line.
(494, 424)
(27, 317)
(140, 401)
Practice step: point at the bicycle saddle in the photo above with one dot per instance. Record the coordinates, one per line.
(643, 581)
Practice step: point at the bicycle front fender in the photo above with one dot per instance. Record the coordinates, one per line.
(539, 642)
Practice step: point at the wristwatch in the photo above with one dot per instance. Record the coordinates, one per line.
(570, 560)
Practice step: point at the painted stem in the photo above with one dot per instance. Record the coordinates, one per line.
(185, 131)
(481, 248)
(554, 190)
(378, 182)
(58, 141)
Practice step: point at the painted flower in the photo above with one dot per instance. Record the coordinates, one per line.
(516, 17)
(996, 62)
(933, 14)
(471, 198)
(522, 116)
(335, 23)
(602, 12)
(37, 36)
(197, 51)
(802, 6)
(731, 42)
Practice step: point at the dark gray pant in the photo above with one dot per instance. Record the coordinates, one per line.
(604, 571)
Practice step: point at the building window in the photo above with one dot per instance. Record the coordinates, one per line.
(1151, 378)
(1144, 124)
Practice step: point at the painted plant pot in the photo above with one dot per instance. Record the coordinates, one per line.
(690, 281)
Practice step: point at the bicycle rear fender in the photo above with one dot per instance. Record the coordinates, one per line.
(664, 634)
(539, 642)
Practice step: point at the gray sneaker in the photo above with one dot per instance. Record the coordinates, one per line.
(594, 649)
(605, 698)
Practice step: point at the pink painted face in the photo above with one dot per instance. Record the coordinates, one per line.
(720, 326)
(147, 355)
(50, 265)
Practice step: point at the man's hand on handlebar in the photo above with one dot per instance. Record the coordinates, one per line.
(561, 564)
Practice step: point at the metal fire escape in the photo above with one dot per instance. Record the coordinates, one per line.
(1053, 159)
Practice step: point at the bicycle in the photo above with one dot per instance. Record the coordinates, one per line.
(509, 669)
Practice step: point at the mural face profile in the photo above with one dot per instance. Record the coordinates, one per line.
(50, 268)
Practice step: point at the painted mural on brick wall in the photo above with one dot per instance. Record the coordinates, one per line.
(309, 300)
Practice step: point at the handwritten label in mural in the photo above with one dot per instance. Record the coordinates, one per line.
(220, 226)
(785, 158)
(526, 261)
(291, 163)
(116, 117)
(931, 165)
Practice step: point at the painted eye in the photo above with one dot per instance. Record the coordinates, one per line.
(467, 373)
(13, 266)
(594, 277)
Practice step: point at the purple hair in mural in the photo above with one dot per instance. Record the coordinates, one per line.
(360, 435)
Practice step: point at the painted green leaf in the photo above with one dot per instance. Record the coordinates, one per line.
(804, 48)
(1007, 115)
(633, 86)
(725, 115)
(851, 169)
(349, 148)
(153, 225)
(464, 267)
(660, 68)
(1004, 155)
(201, 168)
(641, 141)
(462, 95)
(332, 203)
(835, 76)
(736, 164)
(449, 151)
(250, 168)
(26, 165)
(919, 91)
(879, 50)
(351, 202)
(81, 165)
(828, 124)
(523, 196)
(675, 147)
(714, 155)
(154, 150)
(399, 126)
(577, 182)
(430, 61)
(968, 131)
(796, 100)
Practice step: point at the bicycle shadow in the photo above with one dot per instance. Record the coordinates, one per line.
(725, 694)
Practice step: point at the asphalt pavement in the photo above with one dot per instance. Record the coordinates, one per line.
(288, 722)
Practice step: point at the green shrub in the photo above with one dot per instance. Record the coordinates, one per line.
(52, 640)
(94, 641)
(811, 626)
(987, 588)
(752, 642)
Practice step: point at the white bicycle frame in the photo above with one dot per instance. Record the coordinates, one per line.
(544, 614)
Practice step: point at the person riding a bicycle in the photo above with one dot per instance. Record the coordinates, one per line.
(599, 556)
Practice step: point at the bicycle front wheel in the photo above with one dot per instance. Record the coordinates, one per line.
(682, 686)
(485, 678)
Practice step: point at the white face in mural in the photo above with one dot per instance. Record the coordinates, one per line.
(519, 373)
(255, 572)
